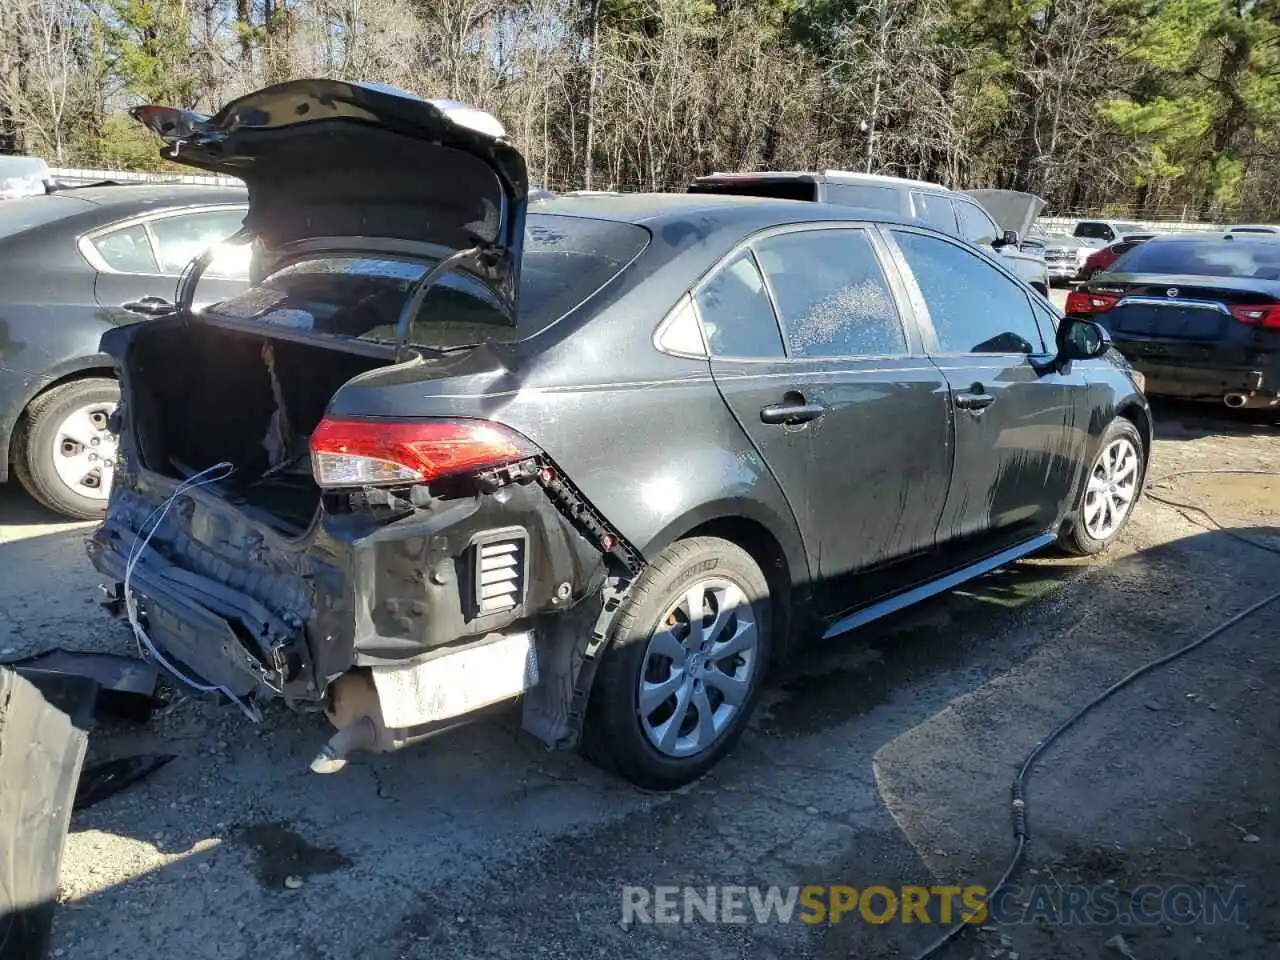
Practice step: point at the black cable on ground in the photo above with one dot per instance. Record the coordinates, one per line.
(1182, 506)
(1017, 791)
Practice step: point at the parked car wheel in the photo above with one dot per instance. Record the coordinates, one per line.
(1111, 491)
(63, 452)
(683, 672)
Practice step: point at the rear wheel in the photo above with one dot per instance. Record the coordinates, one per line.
(683, 672)
(1111, 490)
(63, 452)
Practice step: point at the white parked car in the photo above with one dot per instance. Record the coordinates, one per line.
(1253, 228)
(23, 177)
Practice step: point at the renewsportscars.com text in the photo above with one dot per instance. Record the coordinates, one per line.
(814, 904)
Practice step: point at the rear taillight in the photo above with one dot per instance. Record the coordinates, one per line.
(1082, 301)
(357, 453)
(1263, 315)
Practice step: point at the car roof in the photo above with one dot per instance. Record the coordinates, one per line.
(825, 176)
(1214, 237)
(656, 209)
(155, 194)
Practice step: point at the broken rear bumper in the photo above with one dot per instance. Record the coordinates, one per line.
(235, 605)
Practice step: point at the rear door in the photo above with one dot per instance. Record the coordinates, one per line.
(145, 257)
(860, 414)
(1017, 449)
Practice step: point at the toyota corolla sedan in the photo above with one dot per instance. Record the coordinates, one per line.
(611, 459)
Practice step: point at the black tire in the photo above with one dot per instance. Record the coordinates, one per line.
(1076, 539)
(612, 736)
(33, 443)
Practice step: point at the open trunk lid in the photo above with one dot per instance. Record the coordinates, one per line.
(329, 159)
(1011, 209)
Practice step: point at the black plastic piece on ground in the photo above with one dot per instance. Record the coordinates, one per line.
(42, 744)
(126, 685)
(100, 781)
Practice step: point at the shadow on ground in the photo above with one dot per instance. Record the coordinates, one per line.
(1185, 420)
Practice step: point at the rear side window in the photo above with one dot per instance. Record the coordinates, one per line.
(788, 188)
(974, 307)
(935, 210)
(865, 195)
(832, 296)
(127, 250)
(1245, 258)
(566, 260)
(975, 225)
(737, 315)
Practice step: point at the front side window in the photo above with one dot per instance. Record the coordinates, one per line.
(832, 295)
(975, 225)
(974, 307)
(737, 315)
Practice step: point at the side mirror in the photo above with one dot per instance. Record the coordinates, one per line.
(1009, 238)
(1080, 339)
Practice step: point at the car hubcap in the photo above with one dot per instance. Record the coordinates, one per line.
(84, 451)
(698, 668)
(1112, 486)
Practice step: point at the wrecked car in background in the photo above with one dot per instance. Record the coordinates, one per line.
(448, 452)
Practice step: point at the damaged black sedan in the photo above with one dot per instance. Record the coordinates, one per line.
(609, 457)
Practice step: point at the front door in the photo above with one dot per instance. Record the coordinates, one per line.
(1017, 446)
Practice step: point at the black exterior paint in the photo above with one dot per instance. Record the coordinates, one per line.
(55, 307)
(1206, 360)
(893, 487)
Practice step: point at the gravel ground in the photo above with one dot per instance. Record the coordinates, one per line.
(882, 758)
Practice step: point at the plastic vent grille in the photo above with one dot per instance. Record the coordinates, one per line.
(499, 566)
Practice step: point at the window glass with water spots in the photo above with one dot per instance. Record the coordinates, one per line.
(832, 295)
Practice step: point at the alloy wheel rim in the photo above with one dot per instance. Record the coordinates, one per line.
(1113, 484)
(698, 666)
(85, 451)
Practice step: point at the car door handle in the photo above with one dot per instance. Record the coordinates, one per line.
(974, 401)
(150, 307)
(792, 412)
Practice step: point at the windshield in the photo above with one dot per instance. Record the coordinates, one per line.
(566, 260)
(1259, 259)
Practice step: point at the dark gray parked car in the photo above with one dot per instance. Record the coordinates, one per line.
(72, 266)
(613, 457)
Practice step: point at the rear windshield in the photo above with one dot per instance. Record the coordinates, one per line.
(780, 189)
(1258, 259)
(27, 213)
(566, 260)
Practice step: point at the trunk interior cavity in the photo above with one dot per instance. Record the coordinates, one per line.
(203, 394)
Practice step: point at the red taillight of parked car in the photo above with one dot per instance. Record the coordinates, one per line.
(1084, 302)
(1261, 315)
(1100, 260)
(357, 453)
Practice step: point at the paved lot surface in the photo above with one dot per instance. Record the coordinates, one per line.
(882, 758)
